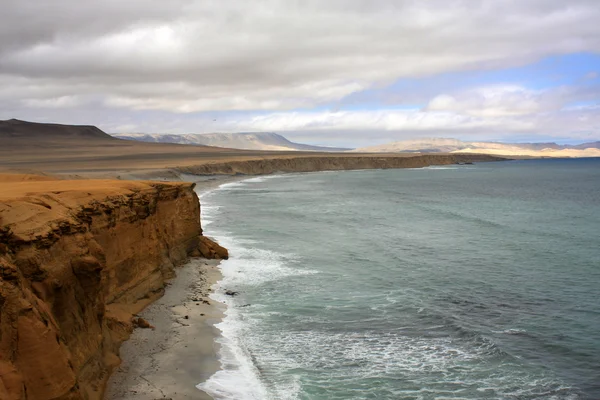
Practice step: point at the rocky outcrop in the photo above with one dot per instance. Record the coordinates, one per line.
(209, 249)
(330, 163)
(77, 260)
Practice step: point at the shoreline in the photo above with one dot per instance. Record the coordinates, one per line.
(171, 361)
(79, 259)
(180, 352)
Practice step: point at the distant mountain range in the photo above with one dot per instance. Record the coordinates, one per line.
(276, 142)
(444, 145)
(247, 141)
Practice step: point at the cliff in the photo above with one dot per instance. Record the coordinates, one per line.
(330, 163)
(77, 260)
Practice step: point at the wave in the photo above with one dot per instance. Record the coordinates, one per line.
(248, 266)
(240, 376)
(207, 214)
(261, 178)
(442, 167)
(279, 348)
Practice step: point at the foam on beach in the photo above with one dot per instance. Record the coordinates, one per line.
(377, 318)
(239, 376)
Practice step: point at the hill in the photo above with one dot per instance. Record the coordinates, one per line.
(448, 145)
(17, 129)
(247, 141)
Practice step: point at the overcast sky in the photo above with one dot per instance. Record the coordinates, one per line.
(337, 72)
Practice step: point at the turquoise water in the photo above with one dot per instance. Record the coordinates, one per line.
(470, 282)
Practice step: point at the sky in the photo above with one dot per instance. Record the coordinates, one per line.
(337, 72)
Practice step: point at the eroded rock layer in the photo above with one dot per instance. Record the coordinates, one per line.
(77, 260)
(269, 165)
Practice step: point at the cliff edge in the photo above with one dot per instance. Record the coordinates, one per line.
(77, 260)
(335, 162)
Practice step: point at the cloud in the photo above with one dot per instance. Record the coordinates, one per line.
(497, 101)
(382, 120)
(183, 57)
(54, 102)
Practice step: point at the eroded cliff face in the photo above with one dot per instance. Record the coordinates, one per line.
(295, 163)
(77, 260)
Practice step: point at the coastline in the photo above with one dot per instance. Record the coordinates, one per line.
(181, 351)
(171, 359)
(79, 259)
(277, 338)
(162, 364)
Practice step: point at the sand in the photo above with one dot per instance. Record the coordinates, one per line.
(169, 361)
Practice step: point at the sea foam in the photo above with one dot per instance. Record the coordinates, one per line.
(239, 376)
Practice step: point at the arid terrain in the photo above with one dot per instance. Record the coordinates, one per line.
(85, 151)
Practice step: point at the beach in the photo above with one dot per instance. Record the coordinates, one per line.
(181, 351)
(171, 359)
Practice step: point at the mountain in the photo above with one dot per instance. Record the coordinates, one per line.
(14, 130)
(446, 145)
(591, 145)
(247, 141)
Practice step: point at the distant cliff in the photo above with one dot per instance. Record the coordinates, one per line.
(77, 260)
(333, 163)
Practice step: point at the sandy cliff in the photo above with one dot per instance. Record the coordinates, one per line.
(77, 259)
(320, 163)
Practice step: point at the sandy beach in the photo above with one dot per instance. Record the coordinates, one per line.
(171, 359)
(167, 362)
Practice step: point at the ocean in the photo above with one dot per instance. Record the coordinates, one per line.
(452, 282)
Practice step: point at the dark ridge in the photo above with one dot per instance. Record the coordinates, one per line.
(593, 145)
(17, 129)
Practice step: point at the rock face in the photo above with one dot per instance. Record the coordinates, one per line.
(77, 260)
(331, 163)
